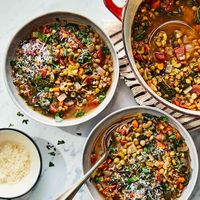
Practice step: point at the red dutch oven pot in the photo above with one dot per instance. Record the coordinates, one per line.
(126, 15)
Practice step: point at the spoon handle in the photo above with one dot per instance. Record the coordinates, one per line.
(69, 194)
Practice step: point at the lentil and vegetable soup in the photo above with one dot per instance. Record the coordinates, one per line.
(148, 160)
(63, 70)
(169, 60)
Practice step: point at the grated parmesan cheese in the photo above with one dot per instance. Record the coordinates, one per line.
(14, 163)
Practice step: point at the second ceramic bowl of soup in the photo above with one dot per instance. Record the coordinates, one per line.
(115, 118)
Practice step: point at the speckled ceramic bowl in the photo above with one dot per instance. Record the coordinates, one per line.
(124, 113)
(22, 34)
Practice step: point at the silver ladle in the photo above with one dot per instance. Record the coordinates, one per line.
(69, 194)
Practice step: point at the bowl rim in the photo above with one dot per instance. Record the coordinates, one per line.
(90, 115)
(193, 113)
(39, 154)
(192, 147)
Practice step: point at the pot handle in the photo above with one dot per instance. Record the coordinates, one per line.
(114, 9)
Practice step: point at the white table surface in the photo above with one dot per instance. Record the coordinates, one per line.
(67, 169)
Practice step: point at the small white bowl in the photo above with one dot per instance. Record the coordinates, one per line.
(27, 183)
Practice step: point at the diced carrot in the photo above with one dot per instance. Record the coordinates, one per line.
(160, 66)
(181, 179)
(56, 89)
(178, 136)
(180, 186)
(161, 145)
(155, 4)
(135, 123)
(149, 82)
(161, 126)
(159, 164)
(71, 62)
(80, 71)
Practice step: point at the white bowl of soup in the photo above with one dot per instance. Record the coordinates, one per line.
(61, 69)
(150, 155)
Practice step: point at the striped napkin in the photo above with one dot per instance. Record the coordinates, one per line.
(141, 96)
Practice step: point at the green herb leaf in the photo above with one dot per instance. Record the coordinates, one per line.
(133, 179)
(98, 179)
(79, 114)
(106, 50)
(101, 97)
(51, 164)
(60, 142)
(88, 71)
(140, 34)
(11, 125)
(20, 114)
(25, 121)
(46, 89)
(145, 170)
(12, 63)
(58, 117)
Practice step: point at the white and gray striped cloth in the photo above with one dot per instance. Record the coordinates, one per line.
(141, 96)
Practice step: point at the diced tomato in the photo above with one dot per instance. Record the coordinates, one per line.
(88, 80)
(159, 176)
(160, 137)
(196, 89)
(180, 186)
(59, 55)
(20, 51)
(199, 67)
(112, 187)
(165, 130)
(169, 5)
(101, 56)
(46, 30)
(131, 194)
(108, 160)
(44, 73)
(94, 158)
(155, 4)
(138, 57)
(80, 45)
(160, 57)
(123, 142)
(62, 62)
(92, 102)
(122, 131)
(102, 166)
(180, 52)
(53, 108)
(178, 102)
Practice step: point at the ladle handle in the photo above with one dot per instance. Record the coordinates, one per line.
(69, 194)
